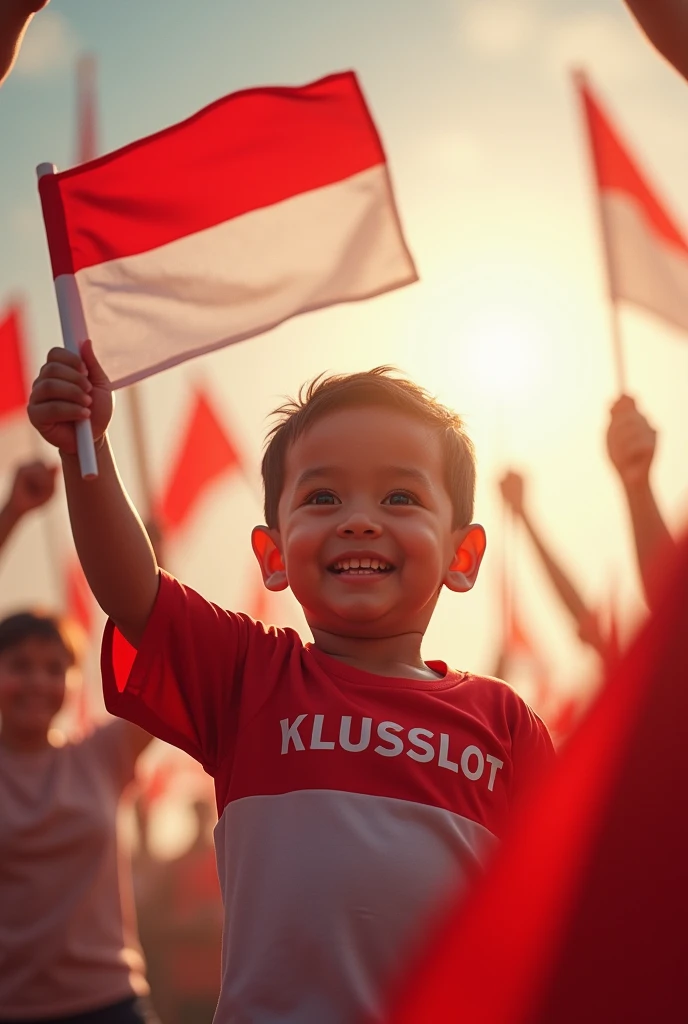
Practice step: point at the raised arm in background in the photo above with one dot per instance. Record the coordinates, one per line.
(33, 486)
(512, 487)
(15, 16)
(112, 544)
(665, 22)
(631, 444)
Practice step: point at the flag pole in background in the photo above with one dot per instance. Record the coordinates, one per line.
(86, 102)
(581, 83)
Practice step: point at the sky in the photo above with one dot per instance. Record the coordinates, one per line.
(508, 323)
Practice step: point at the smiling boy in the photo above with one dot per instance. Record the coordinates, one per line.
(357, 784)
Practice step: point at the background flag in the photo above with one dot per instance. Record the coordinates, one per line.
(646, 250)
(15, 432)
(204, 454)
(582, 916)
(268, 203)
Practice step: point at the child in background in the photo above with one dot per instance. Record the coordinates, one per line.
(68, 946)
(357, 784)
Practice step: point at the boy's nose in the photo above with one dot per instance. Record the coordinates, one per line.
(359, 524)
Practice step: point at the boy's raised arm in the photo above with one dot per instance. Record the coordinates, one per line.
(112, 544)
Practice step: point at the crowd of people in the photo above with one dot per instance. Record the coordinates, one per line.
(356, 783)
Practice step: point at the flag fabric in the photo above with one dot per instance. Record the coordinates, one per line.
(268, 203)
(15, 432)
(646, 249)
(204, 454)
(582, 916)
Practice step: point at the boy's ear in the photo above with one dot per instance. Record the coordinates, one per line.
(463, 571)
(265, 544)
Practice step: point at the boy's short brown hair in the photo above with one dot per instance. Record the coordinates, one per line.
(381, 386)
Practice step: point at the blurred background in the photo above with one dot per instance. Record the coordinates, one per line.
(509, 323)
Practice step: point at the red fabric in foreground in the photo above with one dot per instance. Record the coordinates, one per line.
(583, 917)
(14, 391)
(244, 152)
(204, 454)
(617, 171)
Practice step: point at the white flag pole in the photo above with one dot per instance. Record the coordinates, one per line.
(74, 334)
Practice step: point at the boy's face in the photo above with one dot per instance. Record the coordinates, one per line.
(32, 686)
(365, 523)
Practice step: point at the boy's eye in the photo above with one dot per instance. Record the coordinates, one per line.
(400, 498)
(322, 498)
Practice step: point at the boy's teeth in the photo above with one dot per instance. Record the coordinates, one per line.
(360, 563)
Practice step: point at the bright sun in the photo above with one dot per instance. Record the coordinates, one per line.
(501, 353)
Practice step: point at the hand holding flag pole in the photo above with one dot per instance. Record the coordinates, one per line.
(74, 334)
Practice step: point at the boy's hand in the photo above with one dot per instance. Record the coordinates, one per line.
(33, 486)
(512, 488)
(631, 443)
(67, 389)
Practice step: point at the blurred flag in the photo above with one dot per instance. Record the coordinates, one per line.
(268, 203)
(80, 600)
(16, 435)
(520, 661)
(204, 454)
(87, 136)
(583, 914)
(646, 250)
(524, 668)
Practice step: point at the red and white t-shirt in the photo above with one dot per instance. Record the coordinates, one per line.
(349, 804)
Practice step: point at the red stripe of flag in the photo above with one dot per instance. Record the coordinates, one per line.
(204, 454)
(583, 914)
(14, 389)
(278, 142)
(618, 171)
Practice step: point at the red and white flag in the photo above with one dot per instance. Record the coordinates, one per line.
(16, 440)
(646, 250)
(268, 203)
(205, 453)
(582, 916)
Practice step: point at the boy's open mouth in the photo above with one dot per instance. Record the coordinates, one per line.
(361, 567)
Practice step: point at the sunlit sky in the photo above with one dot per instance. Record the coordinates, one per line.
(475, 105)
